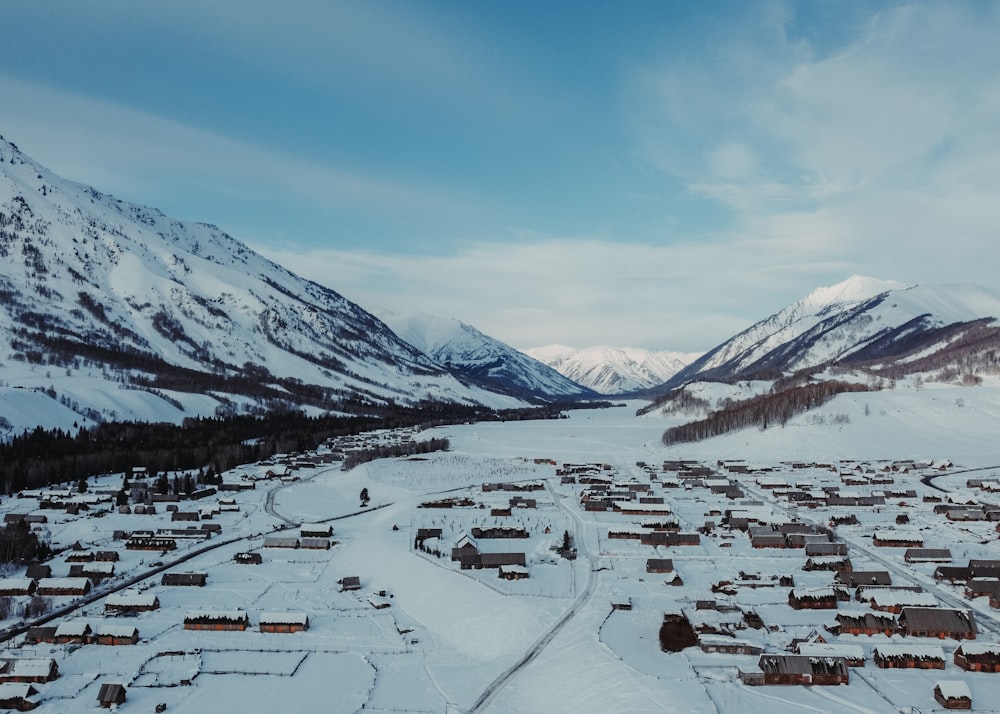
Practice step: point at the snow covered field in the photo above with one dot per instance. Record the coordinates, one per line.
(453, 639)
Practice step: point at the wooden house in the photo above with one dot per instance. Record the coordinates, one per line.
(184, 579)
(978, 587)
(978, 657)
(659, 565)
(284, 622)
(106, 556)
(111, 634)
(927, 555)
(252, 558)
(937, 622)
(858, 578)
(72, 632)
(892, 538)
(349, 582)
(895, 599)
(19, 697)
(723, 644)
(316, 530)
(813, 598)
(157, 543)
(38, 571)
(953, 694)
(72, 587)
(862, 622)
(218, 620)
(513, 572)
(853, 655)
(800, 669)
(17, 586)
(291, 542)
(131, 601)
(34, 670)
(80, 556)
(111, 695)
(95, 571)
(314, 543)
(908, 656)
(40, 633)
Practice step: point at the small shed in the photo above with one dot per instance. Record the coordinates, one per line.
(350, 582)
(659, 565)
(252, 558)
(953, 694)
(111, 695)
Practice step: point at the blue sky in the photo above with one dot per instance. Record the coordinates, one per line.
(653, 174)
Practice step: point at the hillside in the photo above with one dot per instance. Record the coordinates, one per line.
(110, 310)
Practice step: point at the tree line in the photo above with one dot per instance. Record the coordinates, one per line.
(43, 457)
(773, 408)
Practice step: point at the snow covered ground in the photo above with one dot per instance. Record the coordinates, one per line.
(455, 640)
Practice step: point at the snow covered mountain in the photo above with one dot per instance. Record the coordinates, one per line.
(471, 355)
(859, 322)
(115, 310)
(613, 370)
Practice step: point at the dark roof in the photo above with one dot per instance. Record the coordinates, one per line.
(937, 619)
(111, 694)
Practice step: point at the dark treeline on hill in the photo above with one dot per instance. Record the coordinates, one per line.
(773, 408)
(44, 457)
(384, 452)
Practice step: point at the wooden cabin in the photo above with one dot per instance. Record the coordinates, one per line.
(284, 622)
(34, 670)
(953, 694)
(217, 620)
(978, 657)
(111, 695)
(69, 587)
(908, 656)
(799, 669)
(184, 579)
(18, 697)
(939, 622)
(813, 598)
(110, 634)
(131, 601)
(252, 558)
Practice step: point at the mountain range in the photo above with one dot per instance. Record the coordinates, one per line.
(114, 311)
(613, 370)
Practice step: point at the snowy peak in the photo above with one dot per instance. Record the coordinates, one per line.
(613, 370)
(467, 352)
(855, 289)
(859, 321)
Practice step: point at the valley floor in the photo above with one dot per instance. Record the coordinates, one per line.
(424, 635)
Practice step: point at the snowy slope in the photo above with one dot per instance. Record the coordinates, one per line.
(468, 352)
(96, 286)
(861, 320)
(613, 370)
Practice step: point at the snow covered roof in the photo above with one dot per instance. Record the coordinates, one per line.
(953, 689)
(131, 598)
(284, 618)
(822, 649)
(908, 650)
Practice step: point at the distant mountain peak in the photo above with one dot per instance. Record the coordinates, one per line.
(854, 289)
(467, 352)
(613, 370)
